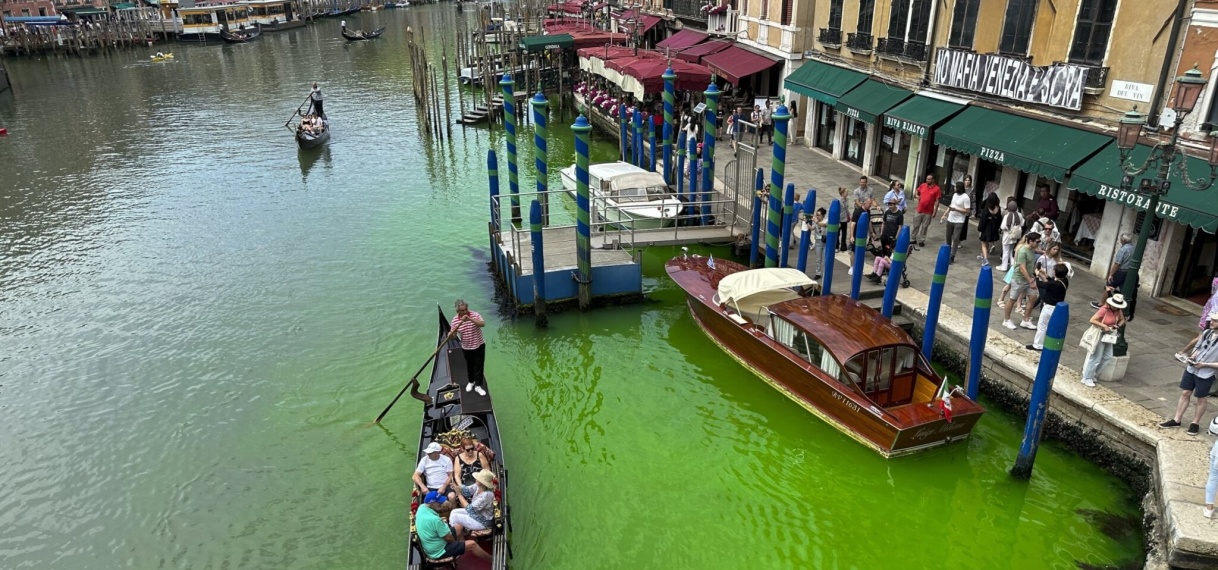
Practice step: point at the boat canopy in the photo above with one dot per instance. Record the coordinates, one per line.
(742, 284)
(641, 180)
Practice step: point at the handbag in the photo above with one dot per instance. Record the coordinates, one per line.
(1091, 337)
(1108, 338)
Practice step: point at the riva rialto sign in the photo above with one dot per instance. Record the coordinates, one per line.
(1058, 85)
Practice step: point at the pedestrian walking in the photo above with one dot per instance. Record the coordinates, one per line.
(1023, 282)
(1201, 356)
(1118, 271)
(956, 217)
(927, 194)
(1012, 232)
(1211, 484)
(989, 227)
(1211, 305)
(767, 123)
(862, 201)
(1103, 334)
(843, 234)
(468, 325)
(1052, 287)
(816, 236)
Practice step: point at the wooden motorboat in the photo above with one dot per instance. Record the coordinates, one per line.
(312, 137)
(838, 358)
(240, 36)
(358, 35)
(450, 414)
(624, 194)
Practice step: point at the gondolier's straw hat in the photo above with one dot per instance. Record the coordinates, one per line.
(485, 477)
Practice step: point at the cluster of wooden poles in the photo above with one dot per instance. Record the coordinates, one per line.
(425, 84)
(94, 37)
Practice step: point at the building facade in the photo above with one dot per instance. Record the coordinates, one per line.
(1019, 96)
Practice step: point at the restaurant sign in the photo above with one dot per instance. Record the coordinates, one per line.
(1058, 85)
(903, 125)
(1137, 201)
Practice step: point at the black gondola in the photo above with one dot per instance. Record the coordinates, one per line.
(450, 413)
(312, 139)
(358, 35)
(241, 36)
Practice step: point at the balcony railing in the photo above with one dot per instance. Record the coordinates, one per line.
(900, 49)
(830, 37)
(859, 42)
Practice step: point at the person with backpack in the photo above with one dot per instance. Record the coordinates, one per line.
(1011, 229)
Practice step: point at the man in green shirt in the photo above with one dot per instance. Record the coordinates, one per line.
(1023, 281)
(435, 536)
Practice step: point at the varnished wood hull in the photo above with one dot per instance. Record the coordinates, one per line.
(890, 432)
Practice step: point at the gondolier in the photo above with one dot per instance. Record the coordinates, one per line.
(468, 325)
(315, 102)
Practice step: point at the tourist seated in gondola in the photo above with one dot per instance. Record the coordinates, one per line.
(478, 502)
(435, 471)
(435, 537)
(469, 461)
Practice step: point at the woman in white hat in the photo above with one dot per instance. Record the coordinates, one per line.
(1198, 379)
(479, 502)
(1109, 318)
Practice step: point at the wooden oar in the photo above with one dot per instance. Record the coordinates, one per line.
(297, 112)
(414, 379)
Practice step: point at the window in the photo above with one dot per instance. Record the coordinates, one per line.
(1092, 30)
(765, 10)
(964, 24)
(788, 6)
(866, 15)
(909, 20)
(1017, 27)
(835, 14)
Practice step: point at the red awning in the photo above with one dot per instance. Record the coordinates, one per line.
(625, 15)
(599, 5)
(616, 52)
(682, 39)
(570, 7)
(590, 38)
(649, 70)
(736, 63)
(695, 54)
(567, 26)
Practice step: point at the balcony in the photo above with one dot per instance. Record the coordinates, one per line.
(859, 43)
(830, 37)
(899, 49)
(1097, 80)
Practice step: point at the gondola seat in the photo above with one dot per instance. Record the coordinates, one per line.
(480, 534)
(447, 562)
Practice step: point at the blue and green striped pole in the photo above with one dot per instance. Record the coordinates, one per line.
(670, 102)
(1042, 386)
(680, 173)
(981, 327)
(755, 244)
(638, 138)
(832, 227)
(622, 120)
(583, 236)
(936, 300)
(541, 154)
(709, 126)
(860, 248)
(899, 253)
(651, 139)
(492, 174)
(539, 264)
(509, 126)
(693, 174)
(805, 235)
(788, 210)
(778, 166)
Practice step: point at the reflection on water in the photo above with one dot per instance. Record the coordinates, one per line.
(191, 349)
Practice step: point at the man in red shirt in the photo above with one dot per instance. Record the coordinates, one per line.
(468, 325)
(928, 194)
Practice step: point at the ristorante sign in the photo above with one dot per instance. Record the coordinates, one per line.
(1058, 85)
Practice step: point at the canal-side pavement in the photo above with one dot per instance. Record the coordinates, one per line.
(1135, 404)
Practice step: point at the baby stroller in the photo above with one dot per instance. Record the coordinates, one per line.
(885, 269)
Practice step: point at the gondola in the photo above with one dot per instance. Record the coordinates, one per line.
(450, 414)
(241, 36)
(308, 140)
(359, 35)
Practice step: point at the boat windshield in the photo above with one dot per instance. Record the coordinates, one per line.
(886, 374)
(642, 194)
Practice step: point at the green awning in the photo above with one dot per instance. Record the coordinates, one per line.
(870, 99)
(1101, 176)
(919, 116)
(1036, 147)
(123, 6)
(82, 10)
(542, 43)
(823, 82)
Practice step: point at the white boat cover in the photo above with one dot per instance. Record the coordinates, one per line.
(742, 284)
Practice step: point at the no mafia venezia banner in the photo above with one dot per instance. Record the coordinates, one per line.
(1058, 85)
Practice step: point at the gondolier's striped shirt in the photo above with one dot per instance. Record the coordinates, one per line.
(470, 334)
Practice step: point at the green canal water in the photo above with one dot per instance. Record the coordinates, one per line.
(198, 322)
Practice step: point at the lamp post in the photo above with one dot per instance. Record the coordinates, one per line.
(1188, 90)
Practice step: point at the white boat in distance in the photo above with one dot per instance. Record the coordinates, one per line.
(623, 193)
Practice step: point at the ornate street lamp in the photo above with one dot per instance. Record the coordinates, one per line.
(1188, 90)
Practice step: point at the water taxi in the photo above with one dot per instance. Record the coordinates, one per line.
(273, 15)
(834, 356)
(622, 193)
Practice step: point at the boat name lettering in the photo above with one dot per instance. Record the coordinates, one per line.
(994, 155)
(903, 125)
(849, 404)
(932, 431)
(1137, 200)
